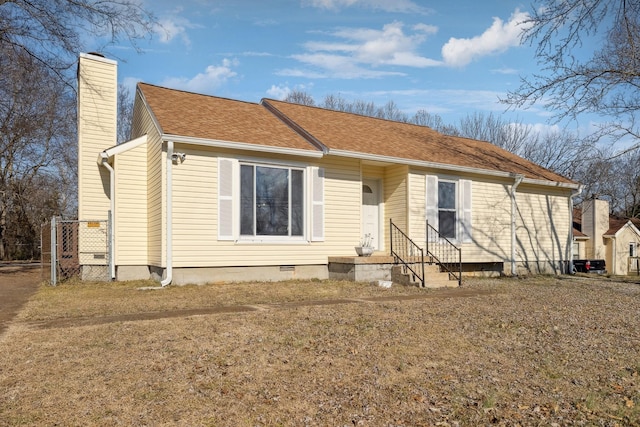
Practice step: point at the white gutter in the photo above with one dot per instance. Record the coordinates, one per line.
(244, 146)
(517, 182)
(103, 160)
(447, 167)
(169, 227)
(574, 193)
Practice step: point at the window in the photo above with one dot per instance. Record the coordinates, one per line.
(271, 201)
(632, 249)
(447, 209)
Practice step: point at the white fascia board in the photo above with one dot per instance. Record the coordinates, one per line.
(446, 167)
(241, 146)
(146, 106)
(125, 146)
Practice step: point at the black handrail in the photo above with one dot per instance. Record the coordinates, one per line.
(406, 252)
(444, 253)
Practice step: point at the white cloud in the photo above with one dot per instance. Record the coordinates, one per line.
(362, 52)
(283, 90)
(402, 6)
(278, 92)
(213, 77)
(497, 38)
(174, 26)
(507, 71)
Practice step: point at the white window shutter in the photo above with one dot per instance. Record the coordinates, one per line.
(226, 220)
(431, 205)
(317, 204)
(465, 211)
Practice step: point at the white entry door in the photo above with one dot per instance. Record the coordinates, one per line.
(371, 211)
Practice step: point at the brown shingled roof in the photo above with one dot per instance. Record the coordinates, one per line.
(368, 135)
(213, 118)
(616, 223)
(209, 117)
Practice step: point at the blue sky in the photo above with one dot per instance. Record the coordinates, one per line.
(450, 58)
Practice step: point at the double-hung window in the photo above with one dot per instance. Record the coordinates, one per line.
(447, 214)
(271, 201)
(448, 208)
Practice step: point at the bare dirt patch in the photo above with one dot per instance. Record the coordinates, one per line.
(541, 351)
(18, 282)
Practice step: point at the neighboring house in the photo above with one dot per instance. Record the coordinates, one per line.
(600, 235)
(212, 189)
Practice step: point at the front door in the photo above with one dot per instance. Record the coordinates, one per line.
(371, 211)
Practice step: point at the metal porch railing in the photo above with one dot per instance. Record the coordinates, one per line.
(444, 253)
(406, 252)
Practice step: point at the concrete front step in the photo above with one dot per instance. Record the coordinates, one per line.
(433, 278)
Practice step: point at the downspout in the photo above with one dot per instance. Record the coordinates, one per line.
(517, 182)
(104, 161)
(169, 226)
(574, 193)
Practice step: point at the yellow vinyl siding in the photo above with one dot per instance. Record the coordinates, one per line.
(97, 83)
(143, 124)
(542, 221)
(194, 207)
(542, 229)
(417, 215)
(343, 206)
(131, 207)
(490, 223)
(395, 198)
(195, 244)
(372, 172)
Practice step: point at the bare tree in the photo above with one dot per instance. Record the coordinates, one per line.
(125, 113)
(512, 136)
(36, 134)
(53, 32)
(300, 97)
(628, 184)
(39, 44)
(605, 83)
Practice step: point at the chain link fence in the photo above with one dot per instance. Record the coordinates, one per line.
(74, 248)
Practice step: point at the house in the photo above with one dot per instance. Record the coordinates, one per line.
(600, 235)
(213, 189)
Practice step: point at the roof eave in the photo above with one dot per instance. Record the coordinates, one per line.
(244, 146)
(449, 167)
(125, 146)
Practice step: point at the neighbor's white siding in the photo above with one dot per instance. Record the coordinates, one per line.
(618, 258)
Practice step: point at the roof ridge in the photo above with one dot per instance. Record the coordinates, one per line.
(188, 92)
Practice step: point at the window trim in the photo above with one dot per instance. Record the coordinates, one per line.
(455, 209)
(463, 203)
(256, 238)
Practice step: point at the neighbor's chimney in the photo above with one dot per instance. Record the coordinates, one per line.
(97, 127)
(595, 222)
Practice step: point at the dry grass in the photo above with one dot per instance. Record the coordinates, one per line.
(540, 351)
